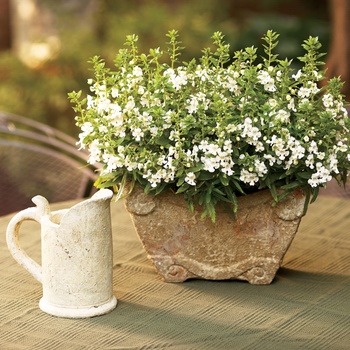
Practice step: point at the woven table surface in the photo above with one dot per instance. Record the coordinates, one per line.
(306, 307)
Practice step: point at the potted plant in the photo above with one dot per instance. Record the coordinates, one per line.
(213, 132)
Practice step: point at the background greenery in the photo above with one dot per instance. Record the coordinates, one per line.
(100, 29)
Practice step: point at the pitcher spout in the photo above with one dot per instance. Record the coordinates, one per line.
(103, 194)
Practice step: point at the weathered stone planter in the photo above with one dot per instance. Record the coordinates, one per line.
(182, 246)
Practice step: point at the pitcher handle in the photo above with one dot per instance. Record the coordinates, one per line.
(12, 235)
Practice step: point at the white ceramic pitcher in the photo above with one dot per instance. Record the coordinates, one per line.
(76, 258)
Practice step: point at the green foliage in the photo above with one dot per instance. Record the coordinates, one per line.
(217, 127)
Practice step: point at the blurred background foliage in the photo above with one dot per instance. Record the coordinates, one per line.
(98, 27)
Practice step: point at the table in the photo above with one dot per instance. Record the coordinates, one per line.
(306, 307)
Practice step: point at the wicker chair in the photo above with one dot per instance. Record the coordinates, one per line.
(37, 159)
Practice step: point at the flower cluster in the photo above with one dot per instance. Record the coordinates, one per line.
(215, 128)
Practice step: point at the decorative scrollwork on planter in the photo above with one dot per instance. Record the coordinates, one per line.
(249, 247)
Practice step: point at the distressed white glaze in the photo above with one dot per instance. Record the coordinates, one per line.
(77, 256)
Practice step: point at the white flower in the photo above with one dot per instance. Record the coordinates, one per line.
(231, 128)
(279, 147)
(272, 103)
(317, 75)
(321, 155)
(90, 102)
(137, 72)
(154, 179)
(342, 147)
(103, 105)
(313, 87)
(114, 92)
(298, 75)
(282, 116)
(113, 162)
(192, 105)
(253, 134)
(321, 176)
(190, 179)
(298, 151)
(103, 129)
(141, 90)
(87, 128)
(130, 105)
(249, 177)
(266, 80)
(259, 147)
(115, 115)
(270, 86)
(138, 134)
(232, 85)
(210, 163)
(202, 73)
(101, 91)
(333, 165)
(291, 105)
(327, 100)
(178, 80)
(174, 135)
(310, 161)
(154, 130)
(264, 77)
(313, 147)
(250, 132)
(228, 170)
(304, 92)
(95, 152)
(270, 158)
(260, 168)
(213, 148)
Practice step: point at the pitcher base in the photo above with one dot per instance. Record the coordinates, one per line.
(78, 312)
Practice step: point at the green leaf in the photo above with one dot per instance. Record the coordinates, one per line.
(209, 210)
(220, 195)
(162, 140)
(201, 198)
(212, 212)
(284, 195)
(204, 176)
(183, 188)
(190, 204)
(291, 186)
(238, 186)
(232, 198)
(180, 181)
(208, 195)
(161, 188)
(196, 168)
(315, 191)
(274, 192)
(224, 180)
(121, 187)
(304, 175)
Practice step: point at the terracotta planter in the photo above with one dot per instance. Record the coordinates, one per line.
(182, 246)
